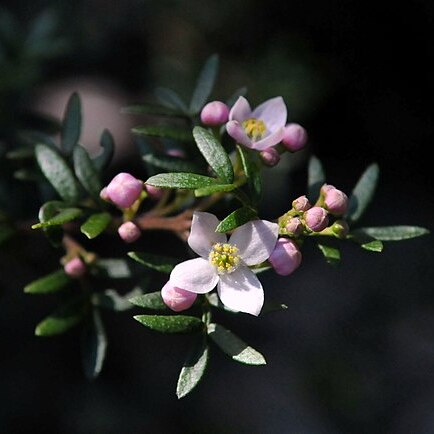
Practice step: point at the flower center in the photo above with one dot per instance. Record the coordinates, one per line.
(254, 128)
(224, 257)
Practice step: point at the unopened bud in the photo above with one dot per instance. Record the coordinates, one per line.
(103, 194)
(75, 268)
(325, 188)
(177, 299)
(124, 190)
(336, 201)
(301, 204)
(286, 257)
(270, 157)
(154, 192)
(129, 232)
(294, 226)
(295, 137)
(316, 219)
(340, 228)
(214, 114)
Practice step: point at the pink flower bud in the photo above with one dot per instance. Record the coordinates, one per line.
(270, 157)
(340, 228)
(335, 201)
(214, 114)
(295, 137)
(301, 204)
(294, 226)
(129, 232)
(154, 192)
(286, 257)
(325, 188)
(75, 268)
(316, 219)
(177, 299)
(103, 194)
(124, 190)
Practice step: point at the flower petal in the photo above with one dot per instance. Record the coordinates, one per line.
(241, 110)
(196, 275)
(203, 234)
(269, 141)
(241, 291)
(255, 240)
(272, 112)
(236, 131)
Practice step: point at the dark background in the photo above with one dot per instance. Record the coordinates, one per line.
(354, 353)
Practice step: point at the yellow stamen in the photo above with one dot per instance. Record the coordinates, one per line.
(254, 128)
(224, 257)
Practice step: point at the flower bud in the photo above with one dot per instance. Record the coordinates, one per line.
(270, 157)
(75, 268)
(294, 137)
(286, 257)
(316, 219)
(124, 190)
(214, 114)
(325, 188)
(301, 204)
(340, 228)
(129, 232)
(103, 194)
(335, 201)
(294, 226)
(154, 192)
(177, 299)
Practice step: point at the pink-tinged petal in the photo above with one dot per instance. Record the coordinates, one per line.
(236, 131)
(241, 291)
(203, 234)
(272, 112)
(196, 275)
(241, 110)
(255, 240)
(269, 141)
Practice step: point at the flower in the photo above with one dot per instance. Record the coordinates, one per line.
(258, 129)
(177, 299)
(214, 113)
(123, 190)
(129, 232)
(286, 257)
(226, 263)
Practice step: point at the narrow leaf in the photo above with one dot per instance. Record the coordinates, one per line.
(47, 211)
(113, 268)
(169, 132)
(152, 300)
(167, 162)
(86, 172)
(392, 233)
(252, 172)
(107, 144)
(315, 178)
(190, 181)
(64, 216)
(373, 246)
(217, 188)
(331, 254)
(95, 224)
(71, 126)
(366, 241)
(170, 324)
(236, 218)
(155, 110)
(50, 283)
(156, 262)
(111, 299)
(169, 98)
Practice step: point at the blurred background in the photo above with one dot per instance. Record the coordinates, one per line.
(354, 352)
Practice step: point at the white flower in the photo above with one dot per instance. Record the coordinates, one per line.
(226, 263)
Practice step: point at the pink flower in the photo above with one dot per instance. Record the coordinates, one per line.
(316, 219)
(75, 268)
(226, 263)
(270, 157)
(286, 257)
(261, 128)
(124, 190)
(294, 138)
(214, 114)
(177, 299)
(301, 204)
(335, 201)
(129, 232)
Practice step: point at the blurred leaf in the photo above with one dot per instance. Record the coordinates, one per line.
(31, 175)
(71, 126)
(315, 178)
(21, 153)
(111, 299)
(363, 193)
(237, 218)
(156, 262)
(86, 172)
(167, 162)
(169, 98)
(93, 345)
(193, 369)
(63, 217)
(234, 347)
(252, 172)
(58, 173)
(46, 212)
(170, 324)
(242, 91)
(180, 180)
(331, 254)
(261, 269)
(153, 110)
(107, 143)
(113, 268)
(205, 84)
(373, 246)
(50, 283)
(152, 300)
(181, 134)
(95, 224)
(217, 188)
(392, 233)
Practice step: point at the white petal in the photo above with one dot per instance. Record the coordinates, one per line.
(241, 291)
(269, 141)
(241, 110)
(272, 112)
(255, 240)
(203, 234)
(237, 132)
(196, 275)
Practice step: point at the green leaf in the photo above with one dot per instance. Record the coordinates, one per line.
(392, 233)
(234, 347)
(167, 162)
(111, 299)
(214, 154)
(189, 181)
(152, 300)
(71, 126)
(373, 246)
(50, 283)
(58, 173)
(242, 91)
(169, 98)
(315, 178)
(363, 193)
(252, 172)
(113, 268)
(163, 264)
(205, 84)
(170, 324)
(63, 217)
(331, 254)
(160, 131)
(21, 153)
(237, 218)
(193, 369)
(95, 224)
(107, 144)
(46, 212)
(153, 110)
(366, 242)
(86, 172)
(217, 188)
(93, 346)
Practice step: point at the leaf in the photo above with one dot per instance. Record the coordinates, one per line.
(270, 306)
(331, 254)
(64, 216)
(205, 84)
(21, 153)
(156, 262)
(363, 193)
(86, 172)
(161, 131)
(50, 283)
(58, 173)
(217, 188)
(111, 299)
(366, 242)
(392, 233)
(107, 143)
(113, 268)
(167, 162)
(242, 91)
(252, 172)
(169, 98)
(237, 218)
(149, 109)
(71, 126)
(170, 324)
(46, 212)
(193, 369)
(180, 180)
(93, 346)
(234, 347)
(214, 154)
(152, 300)
(95, 224)
(373, 246)
(315, 178)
